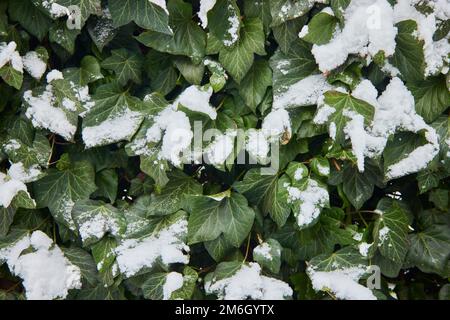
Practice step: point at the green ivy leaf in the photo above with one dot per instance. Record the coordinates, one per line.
(83, 260)
(187, 39)
(224, 22)
(342, 103)
(431, 96)
(60, 189)
(265, 191)
(126, 65)
(146, 14)
(11, 76)
(341, 259)
(63, 36)
(430, 249)
(239, 59)
(105, 259)
(255, 84)
(440, 198)
(320, 28)
(173, 195)
(30, 17)
(284, 10)
(290, 67)
(87, 7)
(390, 231)
(6, 219)
(112, 105)
(89, 71)
(95, 218)
(210, 217)
(268, 255)
(359, 186)
(408, 56)
(286, 34)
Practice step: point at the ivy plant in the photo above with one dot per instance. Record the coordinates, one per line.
(224, 149)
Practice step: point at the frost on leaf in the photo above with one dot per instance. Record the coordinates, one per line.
(95, 218)
(47, 274)
(115, 117)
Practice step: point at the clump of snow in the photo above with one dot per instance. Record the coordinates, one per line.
(82, 94)
(323, 170)
(328, 11)
(390, 69)
(220, 149)
(18, 172)
(97, 226)
(205, 6)
(364, 247)
(196, 98)
(369, 29)
(248, 283)
(312, 199)
(177, 134)
(304, 32)
(283, 66)
(233, 22)
(435, 52)
(43, 114)
(9, 189)
(299, 173)
(303, 93)
(276, 124)
(394, 111)
(8, 54)
(357, 236)
(133, 255)
(342, 283)
(354, 130)
(324, 111)
(11, 145)
(47, 274)
(332, 130)
(257, 145)
(34, 65)
(56, 10)
(16, 62)
(54, 75)
(117, 127)
(174, 281)
(263, 250)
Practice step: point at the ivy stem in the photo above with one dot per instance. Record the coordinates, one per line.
(52, 137)
(260, 240)
(248, 248)
(362, 218)
(336, 165)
